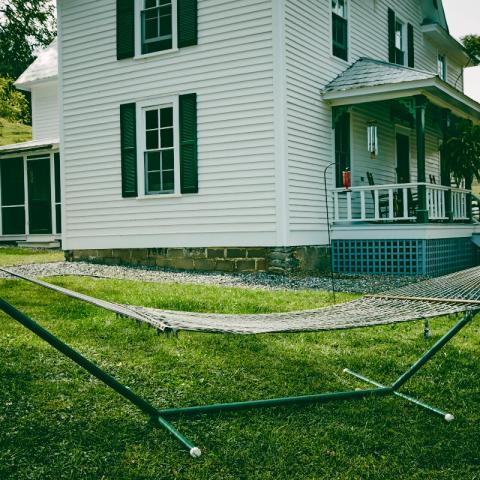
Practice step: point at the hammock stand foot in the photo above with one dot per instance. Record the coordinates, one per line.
(446, 416)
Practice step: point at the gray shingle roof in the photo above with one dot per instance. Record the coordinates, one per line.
(44, 67)
(366, 72)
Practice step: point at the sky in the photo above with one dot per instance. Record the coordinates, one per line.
(463, 17)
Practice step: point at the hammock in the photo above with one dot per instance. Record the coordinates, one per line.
(450, 294)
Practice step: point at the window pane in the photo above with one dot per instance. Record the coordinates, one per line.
(152, 139)
(153, 182)
(165, 25)
(150, 3)
(166, 117)
(165, 2)
(151, 118)
(167, 160)
(151, 28)
(153, 161)
(168, 180)
(399, 35)
(167, 137)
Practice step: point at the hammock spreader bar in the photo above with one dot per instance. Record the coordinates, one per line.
(160, 416)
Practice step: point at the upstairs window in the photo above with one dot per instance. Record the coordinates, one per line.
(399, 42)
(157, 25)
(442, 67)
(401, 39)
(148, 26)
(340, 29)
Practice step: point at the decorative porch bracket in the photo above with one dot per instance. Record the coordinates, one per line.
(420, 117)
(160, 417)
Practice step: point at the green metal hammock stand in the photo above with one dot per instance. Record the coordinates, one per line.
(456, 293)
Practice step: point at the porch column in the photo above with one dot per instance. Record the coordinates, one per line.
(444, 171)
(420, 110)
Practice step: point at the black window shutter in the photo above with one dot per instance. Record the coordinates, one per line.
(125, 29)
(188, 143)
(391, 36)
(187, 13)
(128, 143)
(411, 47)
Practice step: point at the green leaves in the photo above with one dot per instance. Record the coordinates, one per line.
(461, 151)
(25, 27)
(13, 104)
(472, 45)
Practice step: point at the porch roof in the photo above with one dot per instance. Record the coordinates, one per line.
(49, 144)
(369, 80)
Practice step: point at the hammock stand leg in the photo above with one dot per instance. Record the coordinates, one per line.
(97, 372)
(419, 364)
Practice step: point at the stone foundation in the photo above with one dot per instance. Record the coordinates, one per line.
(282, 260)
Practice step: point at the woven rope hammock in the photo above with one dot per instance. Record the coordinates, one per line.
(450, 294)
(455, 293)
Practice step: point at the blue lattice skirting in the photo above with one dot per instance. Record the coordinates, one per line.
(404, 257)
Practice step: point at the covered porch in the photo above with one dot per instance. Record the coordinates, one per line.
(390, 122)
(392, 184)
(30, 204)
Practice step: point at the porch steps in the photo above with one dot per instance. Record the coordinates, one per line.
(54, 244)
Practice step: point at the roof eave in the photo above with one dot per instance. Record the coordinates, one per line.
(438, 92)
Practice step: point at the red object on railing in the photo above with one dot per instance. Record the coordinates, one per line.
(347, 179)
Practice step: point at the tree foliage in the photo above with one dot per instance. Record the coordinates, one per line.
(25, 27)
(461, 151)
(13, 104)
(472, 45)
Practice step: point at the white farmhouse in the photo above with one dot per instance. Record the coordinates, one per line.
(30, 172)
(209, 134)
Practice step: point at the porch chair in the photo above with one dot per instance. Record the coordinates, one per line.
(383, 203)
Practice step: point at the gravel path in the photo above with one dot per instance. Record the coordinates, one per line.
(343, 283)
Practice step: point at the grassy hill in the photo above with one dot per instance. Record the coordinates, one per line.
(14, 132)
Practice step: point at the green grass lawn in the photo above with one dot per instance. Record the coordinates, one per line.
(57, 422)
(11, 132)
(10, 256)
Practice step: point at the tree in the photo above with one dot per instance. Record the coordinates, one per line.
(472, 46)
(25, 27)
(461, 151)
(13, 104)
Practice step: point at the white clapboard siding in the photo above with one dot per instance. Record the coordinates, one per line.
(45, 111)
(231, 70)
(310, 66)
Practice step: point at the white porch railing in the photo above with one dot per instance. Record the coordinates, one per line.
(398, 202)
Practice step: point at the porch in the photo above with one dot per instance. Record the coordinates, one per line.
(30, 204)
(396, 209)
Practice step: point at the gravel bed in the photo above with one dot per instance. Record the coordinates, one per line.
(343, 283)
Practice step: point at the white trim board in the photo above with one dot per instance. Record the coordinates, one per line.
(401, 232)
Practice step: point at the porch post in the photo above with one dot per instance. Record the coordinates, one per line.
(444, 171)
(420, 110)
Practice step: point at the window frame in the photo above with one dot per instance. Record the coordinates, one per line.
(442, 75)
(141, 108)
(346, 19)
(404, 41)
(139, 31)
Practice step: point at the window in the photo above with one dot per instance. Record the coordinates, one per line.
(400, 42)
(157, 25)
(442, 67)
(159, 151)
(340, 29)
